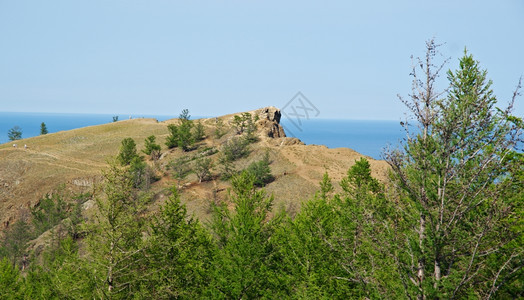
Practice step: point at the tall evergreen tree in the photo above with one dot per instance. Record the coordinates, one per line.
(115, 239)
(179, 254)
(244, 265)
(10, 280)
(451, 179)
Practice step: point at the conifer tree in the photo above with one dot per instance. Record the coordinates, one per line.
(128, 152)
(15, 133)
(115, 238)
(151, 147)
(172, 138)
(179, 254)
(244, 265)
(451, 176)
(199, 132)
(10, 280)
(43, 129)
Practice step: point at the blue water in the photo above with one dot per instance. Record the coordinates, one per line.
(30, 122)
(366, 137)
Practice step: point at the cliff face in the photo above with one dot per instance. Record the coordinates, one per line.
(269, 122)
(74, 160)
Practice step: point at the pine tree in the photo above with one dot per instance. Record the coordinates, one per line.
(179, 254)
(15, 133)
(43, 129)
(172, 138)
(185, 137)
(127, 152)
(115, 239)
(244, 265)
(219, 128)
(202, 168)
(451, 176)
(151, 148)
(199, 132)
(10, 280)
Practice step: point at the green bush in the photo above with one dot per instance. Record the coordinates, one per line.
(172, 138)
(235, 148)
(152, 149)
(127, 152)
(261, 171)
(203, 168)
(199, 132)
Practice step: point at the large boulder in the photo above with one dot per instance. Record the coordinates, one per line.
(269, 122)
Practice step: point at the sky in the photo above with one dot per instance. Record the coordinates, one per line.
(349, 59)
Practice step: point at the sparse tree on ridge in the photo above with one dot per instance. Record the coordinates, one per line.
(43, 129)
(15, 133)
(184, 115)
(180, 135)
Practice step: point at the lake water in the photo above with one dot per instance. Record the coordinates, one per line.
(366, 137)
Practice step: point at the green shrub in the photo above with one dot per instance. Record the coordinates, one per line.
(199, 132)
(203, 168)
(172, 138)
(261, 171)
(235, 148)
(127, 152)
(152, 149)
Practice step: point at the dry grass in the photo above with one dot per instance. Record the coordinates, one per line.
(77, 157)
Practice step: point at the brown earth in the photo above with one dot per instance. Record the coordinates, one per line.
(76, 158)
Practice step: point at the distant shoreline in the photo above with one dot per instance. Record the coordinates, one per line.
(368, 137)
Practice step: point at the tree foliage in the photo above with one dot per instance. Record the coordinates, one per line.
(202, 168)
(244, 265)
(115, 240)
(180, 135)
(261, 171)
(15, 133)
(151, 147)
(448, 223)
(43, 129)
(245, 123)
(127, 152)
(235, 148)
(451, 177)
(199, 132)
(179, 253)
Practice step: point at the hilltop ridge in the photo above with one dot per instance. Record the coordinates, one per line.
(74, 160)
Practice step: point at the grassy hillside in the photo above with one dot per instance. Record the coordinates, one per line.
(77, 157)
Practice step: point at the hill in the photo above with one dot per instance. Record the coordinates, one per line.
(74, 160)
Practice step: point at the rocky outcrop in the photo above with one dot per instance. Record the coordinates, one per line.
(269, 122)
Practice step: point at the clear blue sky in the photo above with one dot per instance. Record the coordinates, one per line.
(350, 58)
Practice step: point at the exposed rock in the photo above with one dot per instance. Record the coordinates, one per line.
(88, 204)
(269, 113)
(269, 122)
(82, 182)
(287, 141)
